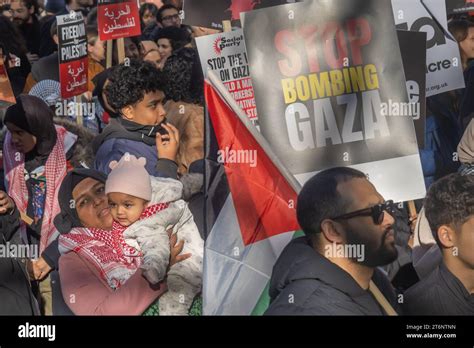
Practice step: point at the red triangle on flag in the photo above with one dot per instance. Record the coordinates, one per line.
(264, 201)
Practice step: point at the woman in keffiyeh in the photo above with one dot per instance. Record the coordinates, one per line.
(92, 255)
(35, 163)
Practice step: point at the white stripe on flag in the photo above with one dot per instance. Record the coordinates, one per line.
(234, 275)
(390, 177)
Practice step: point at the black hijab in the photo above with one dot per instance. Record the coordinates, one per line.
(32, 115)
(99, 82)
(67, 219)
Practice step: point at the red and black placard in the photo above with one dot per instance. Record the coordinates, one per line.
(72, 51)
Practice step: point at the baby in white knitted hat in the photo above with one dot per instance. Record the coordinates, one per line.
(145, 207)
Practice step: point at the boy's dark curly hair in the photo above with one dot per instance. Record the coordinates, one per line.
(128, 84)
(450, 201)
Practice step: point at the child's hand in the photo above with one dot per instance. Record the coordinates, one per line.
(175, 249)
(167, 145)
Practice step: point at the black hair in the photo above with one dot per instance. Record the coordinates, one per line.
(92, 17)
(92, 34)
(177, 3)
(450, 202)
(162, 9)
(150, 7)
(31, 3)
(10, 38)
(54, 28)
(178, 37)
(459, 29)
(134, 39)
(128, 84)
(319, 198)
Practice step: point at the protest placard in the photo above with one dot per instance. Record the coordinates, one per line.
(330, 91)
(443, 62)
(117, 19)
(72, 49)
(413, 50)
(225, 54)
(459, 6)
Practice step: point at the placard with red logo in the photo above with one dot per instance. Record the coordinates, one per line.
(226, 55)
(72, 51)
(117, 19)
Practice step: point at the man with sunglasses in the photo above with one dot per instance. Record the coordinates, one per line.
(333, 269)
(449, 289)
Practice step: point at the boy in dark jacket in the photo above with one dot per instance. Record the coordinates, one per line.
(135, 92)
(449, 289)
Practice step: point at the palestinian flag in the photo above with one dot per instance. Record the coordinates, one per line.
(250, 209)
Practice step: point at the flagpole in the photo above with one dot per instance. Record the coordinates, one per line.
(222, 90)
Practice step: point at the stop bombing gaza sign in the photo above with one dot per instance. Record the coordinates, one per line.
(330, 91)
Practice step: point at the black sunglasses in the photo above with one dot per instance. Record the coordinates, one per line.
(377, 212)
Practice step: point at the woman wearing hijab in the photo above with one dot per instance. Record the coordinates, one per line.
(91, 252)
(35, 160)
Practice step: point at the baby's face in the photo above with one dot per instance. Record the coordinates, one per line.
(126, 209)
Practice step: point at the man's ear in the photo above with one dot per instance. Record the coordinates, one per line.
(127, 112)
(56, 40)
(446, 236)
(331, 232)
(31, 10)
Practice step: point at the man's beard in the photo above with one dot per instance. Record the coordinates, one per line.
(377, 252)
(20, 22)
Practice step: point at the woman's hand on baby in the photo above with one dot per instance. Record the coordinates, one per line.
(167, 145)
(175, 249)
(40, 269)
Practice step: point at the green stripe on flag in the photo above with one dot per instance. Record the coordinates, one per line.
(264, 300)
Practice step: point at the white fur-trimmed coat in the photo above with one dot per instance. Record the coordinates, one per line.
(150, 235)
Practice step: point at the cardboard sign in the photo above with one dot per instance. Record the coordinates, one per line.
(118, 19)
(459, 6)
(413, 49)
(225, 54)
(330, 91)
(443, 62)
(72, 50)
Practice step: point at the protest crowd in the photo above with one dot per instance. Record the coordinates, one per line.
(110, 176)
